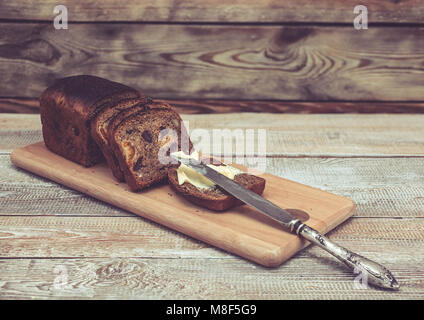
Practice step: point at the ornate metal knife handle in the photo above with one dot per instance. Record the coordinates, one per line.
(376, 273)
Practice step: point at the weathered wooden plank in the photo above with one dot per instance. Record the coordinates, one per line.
(19, 122)
(266, 11)
(400, 240)
(322, 134)
(381, 187)
(219, 62)
(19, 130)
(143, 278)
(286, 134)
(19, 105)
(31, 105)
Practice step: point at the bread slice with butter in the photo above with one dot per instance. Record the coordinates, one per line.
(201, 191)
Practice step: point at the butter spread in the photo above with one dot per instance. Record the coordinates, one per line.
(187, 174)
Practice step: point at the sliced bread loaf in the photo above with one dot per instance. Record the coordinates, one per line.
(142, 141)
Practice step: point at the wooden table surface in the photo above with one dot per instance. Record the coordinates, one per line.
(58, 243)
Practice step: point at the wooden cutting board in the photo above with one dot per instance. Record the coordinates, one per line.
(242, 231)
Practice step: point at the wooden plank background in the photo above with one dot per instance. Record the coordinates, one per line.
(49, 231)
(243, 11)
(298, 56)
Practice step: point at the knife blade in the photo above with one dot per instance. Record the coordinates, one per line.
(370, 270)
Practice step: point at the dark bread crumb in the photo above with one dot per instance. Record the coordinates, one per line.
(147, 136)
(138, 164)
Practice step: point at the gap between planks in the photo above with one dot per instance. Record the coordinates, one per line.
(318, 156)
(131, 216)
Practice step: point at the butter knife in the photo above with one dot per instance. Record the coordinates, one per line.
(375, 273)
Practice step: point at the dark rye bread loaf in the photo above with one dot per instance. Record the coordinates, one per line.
(142, 141)
(67, 108)
(104, 120)
(215, 198)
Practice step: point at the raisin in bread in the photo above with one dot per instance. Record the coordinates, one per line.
(142, 142)
(215, 198)
(67, 108)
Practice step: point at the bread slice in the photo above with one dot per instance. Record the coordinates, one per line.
(117, 171)
(100, 128)
(215, 199)
(143, 140)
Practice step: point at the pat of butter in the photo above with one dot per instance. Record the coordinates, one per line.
(187, 174)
